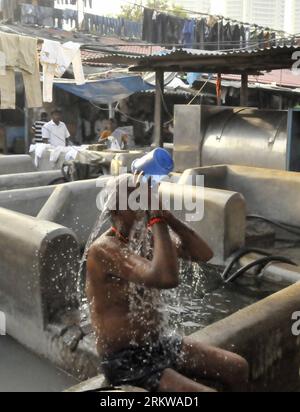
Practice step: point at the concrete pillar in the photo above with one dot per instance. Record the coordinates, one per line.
(158, 114)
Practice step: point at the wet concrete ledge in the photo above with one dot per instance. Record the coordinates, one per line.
(262, 333)
(30, 179)
(267, 192)
(16, 164)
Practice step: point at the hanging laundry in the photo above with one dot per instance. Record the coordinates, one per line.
(209, 33)
(173, 27)
(58, 17)
(108, 26)
(188, 33)
(148, 25)
(70, 17)
(55, 59)
(20, 53)
(213, 36)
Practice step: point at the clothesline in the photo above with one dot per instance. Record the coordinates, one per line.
(53, 17)
(205, 34)
(220, 17)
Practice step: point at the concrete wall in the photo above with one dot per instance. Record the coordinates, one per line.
(16, 164)
(262, 333)
(31, 179)
(270, 193)
(223, 225)
(38, 269)
(73, 205)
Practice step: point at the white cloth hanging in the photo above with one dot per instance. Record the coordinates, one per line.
(38, 149)
(55, 59)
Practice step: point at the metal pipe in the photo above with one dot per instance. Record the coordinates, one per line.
(281, 273)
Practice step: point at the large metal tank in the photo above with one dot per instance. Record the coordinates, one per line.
(206, 135)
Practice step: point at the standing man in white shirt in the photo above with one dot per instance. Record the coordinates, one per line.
(55, 132)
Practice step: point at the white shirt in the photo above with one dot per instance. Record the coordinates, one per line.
(55, 134)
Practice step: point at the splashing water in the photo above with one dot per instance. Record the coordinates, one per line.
(201, 298)
(99, 229)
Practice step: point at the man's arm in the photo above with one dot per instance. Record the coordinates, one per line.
(191, 245)
(115, 259)
(67, 136)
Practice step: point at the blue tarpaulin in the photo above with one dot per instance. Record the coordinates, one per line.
(106, 91)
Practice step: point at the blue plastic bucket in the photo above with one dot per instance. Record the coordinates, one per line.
(157, 163)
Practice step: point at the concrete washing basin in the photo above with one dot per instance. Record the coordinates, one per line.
(42, 230)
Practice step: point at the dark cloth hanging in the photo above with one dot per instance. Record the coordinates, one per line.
(236, 36)
(201, 28)
(243, 37)
(261, 39)
(147, 25)
(175, 27)
(208, 33)
(189, 34)
(108, 26)
(212, 39)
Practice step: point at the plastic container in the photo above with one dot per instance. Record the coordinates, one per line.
(156, 164)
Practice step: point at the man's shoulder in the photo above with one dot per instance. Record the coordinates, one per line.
(102, 246)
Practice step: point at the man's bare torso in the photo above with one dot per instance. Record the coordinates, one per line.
(116, 317)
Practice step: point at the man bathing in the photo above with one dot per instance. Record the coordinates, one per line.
(132, 348)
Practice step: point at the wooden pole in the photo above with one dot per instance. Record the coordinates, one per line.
(219, 89)
(158, 111)
(28, 121)
(244, 90)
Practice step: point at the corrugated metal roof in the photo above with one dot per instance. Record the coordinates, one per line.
(234, 61)
(195, 53)
(285, 78)
(127, 51)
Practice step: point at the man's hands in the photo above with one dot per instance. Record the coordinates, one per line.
(191, 245)
(155, 205)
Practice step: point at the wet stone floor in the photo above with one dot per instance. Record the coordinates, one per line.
(22, 371)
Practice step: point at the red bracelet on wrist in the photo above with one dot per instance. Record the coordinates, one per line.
(155, 221)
